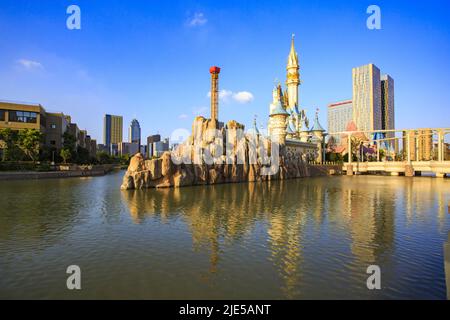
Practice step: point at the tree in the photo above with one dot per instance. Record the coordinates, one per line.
(8, 141)
(29, 141)
(82, 155)
(103, 157)
(66, 154)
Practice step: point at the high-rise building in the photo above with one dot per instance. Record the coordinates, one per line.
(420, 145)
(129, 148)
(112, 129)
(425, 145)
(339, 115)
(387, 107)
(150, 141)
(160, 147)
(367, 113)
(134, 132)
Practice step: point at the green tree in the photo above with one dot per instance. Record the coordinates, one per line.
(69, 141)
(8, 142)
(103, 157)
(65, 154)
(82, 155)
(29, 141)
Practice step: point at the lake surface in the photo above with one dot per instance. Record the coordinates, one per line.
(305, 238)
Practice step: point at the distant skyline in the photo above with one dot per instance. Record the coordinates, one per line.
(150, 60)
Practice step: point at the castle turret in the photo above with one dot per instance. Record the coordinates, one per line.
(278, 116)
(293, 77)
(318, 134)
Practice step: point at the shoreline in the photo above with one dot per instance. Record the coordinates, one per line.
(36, 175)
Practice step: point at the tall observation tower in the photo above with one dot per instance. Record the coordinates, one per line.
(214, 95)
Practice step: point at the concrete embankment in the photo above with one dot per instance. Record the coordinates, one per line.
(91, 171)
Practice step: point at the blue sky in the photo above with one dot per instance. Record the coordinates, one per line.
(151, 59)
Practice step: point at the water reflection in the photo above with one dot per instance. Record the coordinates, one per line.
(304, 238)
(301, 219)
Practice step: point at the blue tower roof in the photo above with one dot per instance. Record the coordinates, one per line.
(279, 110)
(316, 126)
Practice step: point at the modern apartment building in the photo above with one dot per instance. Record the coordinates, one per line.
(367, 113)
(112, 129)
(420, 145)
(18, 116)
(339, 115)
(56, 126)
(160, 147)
(150, 140)
(388, 107)
(129, 148)
(53, 125)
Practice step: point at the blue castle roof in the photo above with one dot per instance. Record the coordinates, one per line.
(279, 110)
(316, 126)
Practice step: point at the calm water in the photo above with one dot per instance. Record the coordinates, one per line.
(305, 238)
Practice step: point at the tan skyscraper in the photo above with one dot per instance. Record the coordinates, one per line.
(387, 106)
(112, 129)
(367, 113)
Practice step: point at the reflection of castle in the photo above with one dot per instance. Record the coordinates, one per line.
(222, 216)
(287, 123)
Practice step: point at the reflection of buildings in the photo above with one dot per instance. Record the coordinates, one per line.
(360, 214)
(223, 214)
(371, 221)
(447, 264)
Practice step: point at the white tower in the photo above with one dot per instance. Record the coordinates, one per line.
(293, 76)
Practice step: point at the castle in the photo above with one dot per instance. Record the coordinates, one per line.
(288, 124)
(222, 153)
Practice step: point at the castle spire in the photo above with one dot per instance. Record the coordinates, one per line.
(293, 57)
(293, 77)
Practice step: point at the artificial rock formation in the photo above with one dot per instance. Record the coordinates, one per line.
(163, 172)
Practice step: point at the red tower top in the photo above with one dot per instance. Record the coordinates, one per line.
(214, 70)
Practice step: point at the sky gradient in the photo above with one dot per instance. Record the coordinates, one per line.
(150, 59)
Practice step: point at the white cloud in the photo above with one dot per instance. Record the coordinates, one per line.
(182, 116)
(240, 97)
(197, 20)
(243, 97)
(30, 64)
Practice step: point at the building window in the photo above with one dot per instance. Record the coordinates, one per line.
(52, 142)
(53, 126)
(2, 115)
(23, 116)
